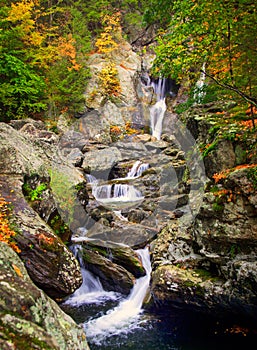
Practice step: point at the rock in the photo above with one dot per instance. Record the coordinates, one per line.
(48, 261)
(121, 255)
(112, 276)
(102, 160)
(28, 318)
(221, 158)
(204, 265)
(132, 235)
(24, 156)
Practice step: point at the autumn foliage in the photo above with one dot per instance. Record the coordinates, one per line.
(6, 233)
(223, 174)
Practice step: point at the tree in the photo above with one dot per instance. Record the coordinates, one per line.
(39, 64)
(220, 33)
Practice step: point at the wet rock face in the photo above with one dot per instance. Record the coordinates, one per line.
(210, 264)
(28, 318)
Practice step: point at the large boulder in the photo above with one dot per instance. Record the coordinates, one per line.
(28, 318)
(49, 262)
(27, 152)
(113, 277)
(119, 254)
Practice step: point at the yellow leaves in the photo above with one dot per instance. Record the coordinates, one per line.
(17, 270)
(24, 15)
(36, 39)
(6, 233)
(21, 11)
(108, 80)
(107, 42)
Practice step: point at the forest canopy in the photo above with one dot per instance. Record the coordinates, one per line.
(44, 46)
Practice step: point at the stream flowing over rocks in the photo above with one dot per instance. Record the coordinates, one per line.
(202, 248)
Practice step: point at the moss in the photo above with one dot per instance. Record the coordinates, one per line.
(252, 176)
(24, 335)
(217, 207)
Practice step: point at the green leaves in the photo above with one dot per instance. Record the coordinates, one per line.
(220, 33)
(21, 89)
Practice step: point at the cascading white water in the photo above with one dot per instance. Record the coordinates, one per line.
(91, 290)
(124, 317)
(118, 196)
(137, 169)
(158, 110)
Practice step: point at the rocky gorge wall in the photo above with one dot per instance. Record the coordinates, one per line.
(202, 234)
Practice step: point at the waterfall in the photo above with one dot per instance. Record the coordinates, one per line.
(91, 290)
(117, 196)
(157, 111)
(124, 317)
(162, 87)
(125, 313)
(199, 88)
(157, 114)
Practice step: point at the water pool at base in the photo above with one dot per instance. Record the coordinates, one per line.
(166, 330)
(112, 321)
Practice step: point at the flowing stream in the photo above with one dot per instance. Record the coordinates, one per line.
(126, 315)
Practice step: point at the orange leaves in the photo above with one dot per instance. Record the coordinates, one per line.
(45, 239)
(6, 233)
(66, 49)
(248, 124)
(115, 129)
(219, 176)
(17, 270)
(225, 193)
(223, 174)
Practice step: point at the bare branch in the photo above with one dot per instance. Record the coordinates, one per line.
(246, 97)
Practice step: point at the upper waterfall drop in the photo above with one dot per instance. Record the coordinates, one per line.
(162, 87)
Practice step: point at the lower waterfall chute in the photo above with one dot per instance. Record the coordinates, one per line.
(125, 316)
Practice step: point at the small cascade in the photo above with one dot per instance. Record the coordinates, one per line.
(137, 169)
(117, 196)
(91, 290)
(199, 88)
(91, 179)
(125, 316)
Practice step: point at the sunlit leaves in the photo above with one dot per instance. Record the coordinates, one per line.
(221, 33)
(107, 42)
